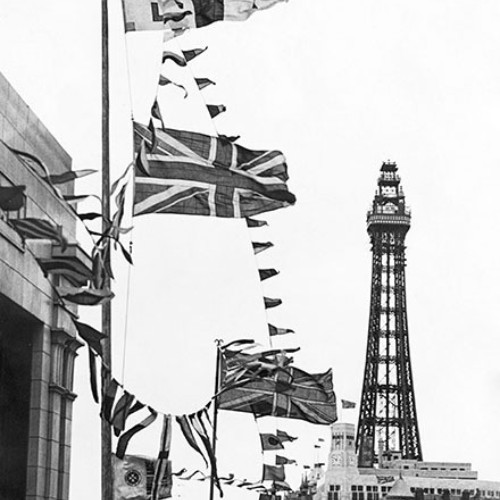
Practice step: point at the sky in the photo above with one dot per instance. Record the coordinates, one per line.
(339, 87)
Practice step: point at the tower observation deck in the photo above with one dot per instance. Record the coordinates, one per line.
(388, 419)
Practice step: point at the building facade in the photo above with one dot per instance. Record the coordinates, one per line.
(38, 342)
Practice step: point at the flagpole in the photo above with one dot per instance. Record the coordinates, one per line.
(106, 440)
(218, 367)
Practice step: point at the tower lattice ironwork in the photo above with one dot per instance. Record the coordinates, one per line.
(388, 419)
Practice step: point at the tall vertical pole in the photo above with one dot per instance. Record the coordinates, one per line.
(106, 463)
(218, 369)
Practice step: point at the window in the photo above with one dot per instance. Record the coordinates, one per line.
(11, 214)
(357, 492)
(372, 493)
(334, 493)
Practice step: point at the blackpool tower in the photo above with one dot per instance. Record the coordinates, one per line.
(388, 418)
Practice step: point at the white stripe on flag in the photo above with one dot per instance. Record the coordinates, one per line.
(179, 159)
(262, 167)
(234, 157)
(211, 200)
(236, 203)
(212, 153)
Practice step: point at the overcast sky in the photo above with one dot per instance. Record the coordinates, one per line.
(339, 87)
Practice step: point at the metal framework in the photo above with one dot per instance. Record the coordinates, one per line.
(388, 419)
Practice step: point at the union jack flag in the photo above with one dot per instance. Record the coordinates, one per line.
(285, 392)
(191, 173)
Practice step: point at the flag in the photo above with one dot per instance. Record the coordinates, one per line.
(215, 109)
(273, 473)
(347, 404)
(203, 82)
(192, 173)
(284, 461)
(255, 222)
(270, 442)
(281, 486)
(260, 247)
(92, 336)
(284, 436)
(73, 270)
(11, 197)
(121, 446)
(269, 303)
(286, 392)
(265, 274)
(189, 55)
(273, 330)
(70, 176)
(31, 228)
(156, 112)
(172, 56)
(133, 478)
(166, 81)
(85, 296)
(385, 479)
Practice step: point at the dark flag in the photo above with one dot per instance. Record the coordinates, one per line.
(192, 173)
(269, 303)
(166, 81)
(215, 109)
(11, 197)
(92, 336)
(286, 392)
(255, 222)
(270, 442)
(156, 112)
(273, 473)
(265, 274)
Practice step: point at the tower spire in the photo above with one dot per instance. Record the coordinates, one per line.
(387, 418)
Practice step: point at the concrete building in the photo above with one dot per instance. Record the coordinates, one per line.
(38, 341)
(343, 480)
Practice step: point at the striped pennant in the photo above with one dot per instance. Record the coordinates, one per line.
(172, 56)
(163, 81)
(270, 303)
(85, 296)
(121, 411)
(284, 436)
(73, 270)
(39, 229)
(273, 330)
(203, 82)
(70, 176)
(125, 438)
(109, 399)
(93, 375)
(189, 55)
(265, 274)
(215, 109)
(189, 435)
(260, 247)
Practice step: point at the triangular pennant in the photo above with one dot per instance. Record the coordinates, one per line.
(215, 109)
(273, 330)
(125, 438)
(156, 112)
(267, 273)
(255, 222)
(31, 228)
(203, 82)
(85, 296)
(166, 81)
(270, 303)
(172, 56)
(260, 247)
(189, 55)
(152, 148)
